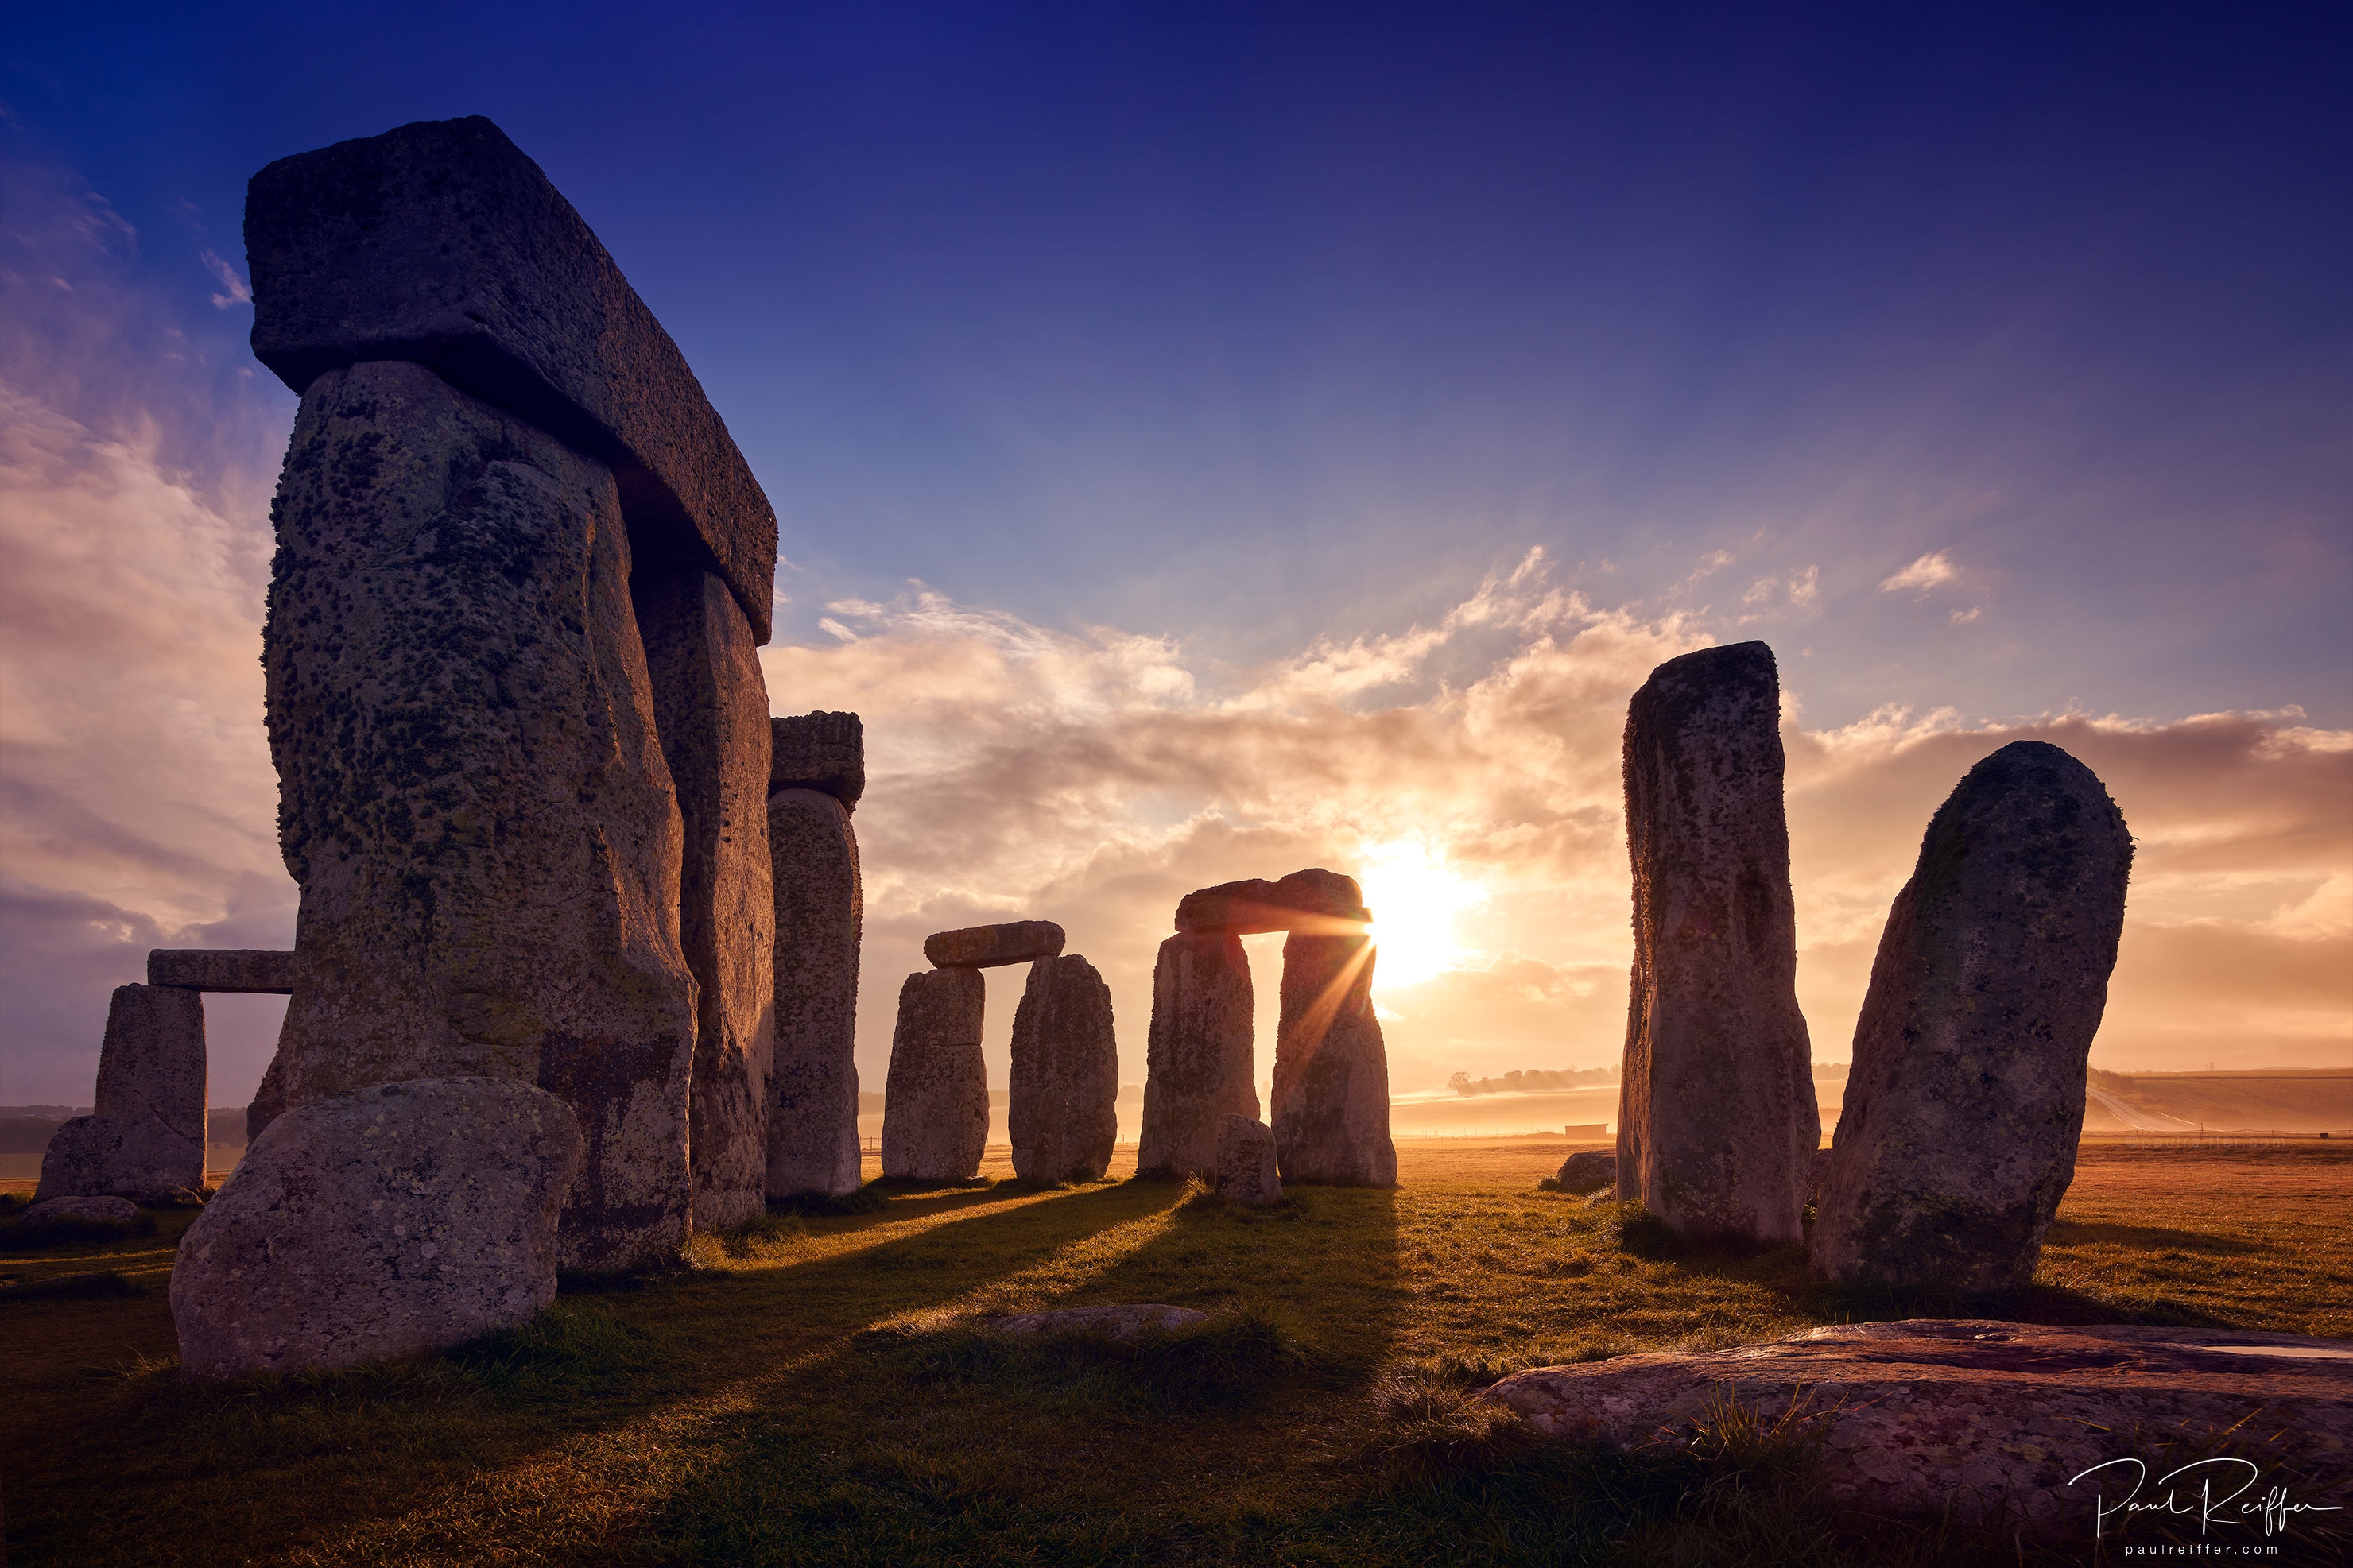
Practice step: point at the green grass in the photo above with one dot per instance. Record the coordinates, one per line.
(813, 1390)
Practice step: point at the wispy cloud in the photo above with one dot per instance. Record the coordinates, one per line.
(235, 291)
(1928, 571)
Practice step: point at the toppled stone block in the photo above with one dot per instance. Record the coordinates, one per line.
(993, 947)
(1199, 1067)
(823, 751)
(935, 1100)
(144, 1139)
(1125, 1324)
(1331, 1066)
(1062, 1110)
(442, 244)
(100, 1210)
(1582, 1173)
(242, 969)
(401, 1219)
(1717, 1118)
(820, 911)
(1966, 1100)
(1247, 1169)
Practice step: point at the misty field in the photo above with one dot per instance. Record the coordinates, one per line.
(806, 1394)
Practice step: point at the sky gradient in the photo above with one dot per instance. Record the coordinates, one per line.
(1214, 440)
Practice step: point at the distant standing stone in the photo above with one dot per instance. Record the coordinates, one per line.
(1716, 1118)
(1246, 1170)
(1062, 1112)
(820, 911)
(1583, 1173)
(1198, 1067)
(935, 1101)
(144, 1139)
(1966, 1100)
(1331, 1066)
(994, 947)
(400, 1219)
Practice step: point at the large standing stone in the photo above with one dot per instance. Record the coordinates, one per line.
(1716, 1115)
(935, 1101)
(1331, 1066)
(258, 971)
(1248, 1171)
(823, 751)
(473, 799)
(144, 1139)
(1966, 1100)
(1197, 1062)
(440, 243)
(1062, 1112)
(820, 909)
(994, 947)
(395, 1220)
(711, 706)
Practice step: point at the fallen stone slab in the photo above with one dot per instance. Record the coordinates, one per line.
(823, 751)
(1999, 1420)
(1198, 1057)
(1062, 1106)
(1583, 1173)
(144, 1138)
(257, 970)
(935, 1099)
(994, 947)
(401, 1219)
(1248, 1171)
(1123, 1323)
(103, 1210)
(442, 244)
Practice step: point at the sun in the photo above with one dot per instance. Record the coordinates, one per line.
(1414, 897)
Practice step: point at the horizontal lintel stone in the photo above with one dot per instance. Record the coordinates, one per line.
(257, 970)
(991, 947)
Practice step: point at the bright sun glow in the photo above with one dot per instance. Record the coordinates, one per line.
(1414, 899)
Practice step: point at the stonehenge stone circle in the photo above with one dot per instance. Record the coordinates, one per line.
(711, 710)
(935, 1100)
(823, 751)
(144, 1139)
(391, 1221)
(993, 947)
(1966, 1100)
(1197, 1063)
(1062, 1112)
(820, 910)
(1331, 1066)
(252, 970)
(1717, 1117)
(1247, 1169)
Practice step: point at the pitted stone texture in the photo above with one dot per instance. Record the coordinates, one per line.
(254, 970)
(1248, 1171)
(472, 797)
(1331, 1066)
(1966, 1100)
(1125, 1324)
(711, 709)
(993, 947)
(103, 1210)
(1716, 1113)
(144, 1139)
(393, 1221)
(1198, 1060)
(1584, 1171)
(440, 243)
(823, 751)
(935, 1101)
(1996, 1419)
(1063, 1111)
(820, 911)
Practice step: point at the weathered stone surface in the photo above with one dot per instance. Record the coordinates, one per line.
(1966, 1099)
(820, 913)
(144, 1138)
(711, 710)
(823, 751)
(1583, 1173)
(1996, 1418)
(1817, 1171)
(104, 1210)
(993, 947)
(1123, 1323)
(935, 1100)
(1320, 902)
(1320, 892)
(1716, 1114)
(1331, 1066)
(1198, 1060)
(1063, 1111)
(440, 243)
(247, 969)
(472, 796)
(1248, 1171)
(397, 1220)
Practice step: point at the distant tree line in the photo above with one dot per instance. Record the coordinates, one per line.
(1536, 1078)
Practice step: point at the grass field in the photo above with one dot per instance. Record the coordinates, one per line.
(808, 1396)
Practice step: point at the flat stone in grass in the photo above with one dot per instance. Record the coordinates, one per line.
(1063, 1111)
(1122, 1323)
(1197, 1059)
(1966, 1100)
(400, 1219)
(935, 1100)
(994, 947)
(101, 1210)
(1248, 1171)
(144, 1139)
(1996, 1419)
